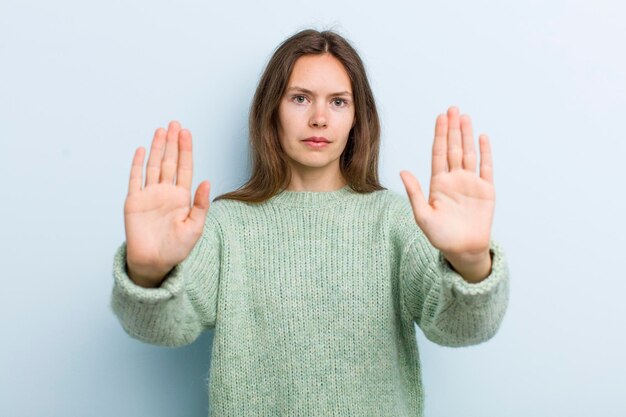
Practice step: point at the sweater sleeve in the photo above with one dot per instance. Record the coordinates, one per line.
(449, 310)
(185, 304)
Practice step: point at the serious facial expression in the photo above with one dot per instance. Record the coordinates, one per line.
(316, 113)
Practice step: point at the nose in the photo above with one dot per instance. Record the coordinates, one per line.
(319, 118)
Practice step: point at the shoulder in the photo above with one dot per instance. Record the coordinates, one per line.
(218, 217)
(221, 211)
(395, 209)
(402, 224)
(229, 213)
(396, 203)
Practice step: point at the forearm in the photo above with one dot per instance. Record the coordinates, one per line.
(472, 267)
(162, 315)
(466, 313)
(146, 279)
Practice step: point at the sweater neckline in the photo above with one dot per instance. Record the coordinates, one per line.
(311, 198)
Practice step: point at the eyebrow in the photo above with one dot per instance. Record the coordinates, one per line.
(304, 90)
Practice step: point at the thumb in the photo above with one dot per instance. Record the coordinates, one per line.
(421, 208)
(201, 204)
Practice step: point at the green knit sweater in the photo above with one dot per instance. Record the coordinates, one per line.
(313, 297)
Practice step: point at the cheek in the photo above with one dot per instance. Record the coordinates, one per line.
(283, 125)
(347, 123)
(286, 122)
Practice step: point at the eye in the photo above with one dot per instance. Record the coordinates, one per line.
(299, 99)
(340, 102)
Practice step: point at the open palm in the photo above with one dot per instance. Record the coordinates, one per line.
(458, 215)
(161, 227)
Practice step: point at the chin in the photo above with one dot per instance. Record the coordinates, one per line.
(313, 162)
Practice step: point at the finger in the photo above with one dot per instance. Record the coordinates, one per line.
(440, 146)
(153, 169)
(170, 157)
(200, 204)
(455, 147)
(136, 171)
(185, 160)
(421, 208)
(469, 152)
(486, 161)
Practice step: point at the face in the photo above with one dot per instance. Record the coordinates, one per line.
(316, 114)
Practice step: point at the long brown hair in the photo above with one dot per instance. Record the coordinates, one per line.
(270, 170)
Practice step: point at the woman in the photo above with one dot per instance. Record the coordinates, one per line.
(312, 274)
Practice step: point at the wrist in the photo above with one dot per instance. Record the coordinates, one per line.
(473, 267)
(146, 277)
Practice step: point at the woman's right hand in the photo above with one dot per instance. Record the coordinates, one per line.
(161, 227)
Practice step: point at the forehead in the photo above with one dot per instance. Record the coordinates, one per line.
(320, 72)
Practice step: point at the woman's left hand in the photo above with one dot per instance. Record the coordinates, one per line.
(458, 215)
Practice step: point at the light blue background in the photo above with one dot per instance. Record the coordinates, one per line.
(83, 83)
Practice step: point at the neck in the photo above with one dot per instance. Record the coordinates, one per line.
(316, 180)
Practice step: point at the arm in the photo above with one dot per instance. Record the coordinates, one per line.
(449, 310)
(171, 249)
(176, 312)
(454, 232)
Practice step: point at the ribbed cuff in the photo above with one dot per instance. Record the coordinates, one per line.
(480, 292)
(171, 285)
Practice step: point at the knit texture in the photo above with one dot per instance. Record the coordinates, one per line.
(313, 298)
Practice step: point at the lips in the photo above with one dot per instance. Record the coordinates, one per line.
(316, 139)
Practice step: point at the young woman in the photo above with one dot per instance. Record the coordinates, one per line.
(312, 274)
